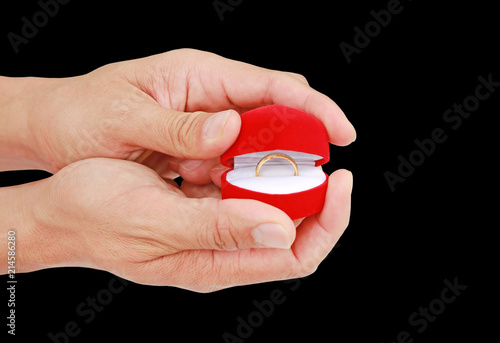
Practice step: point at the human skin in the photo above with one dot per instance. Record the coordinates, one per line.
(175, 113)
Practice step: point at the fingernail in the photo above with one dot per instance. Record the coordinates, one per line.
(355, 133)
(214, 127)
(190, 165)
(352, 183)
(271, 236)
(219, 168)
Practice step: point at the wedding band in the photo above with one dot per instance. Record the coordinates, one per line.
(270, 157)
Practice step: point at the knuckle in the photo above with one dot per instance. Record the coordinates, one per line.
(182, 52)
(207, 270)
(296, 270)
(181, 130)
(309, 269)
(299, 77)
(322, 249)
(205, 289)
(222, 238)
(218, 231)
(303, 269)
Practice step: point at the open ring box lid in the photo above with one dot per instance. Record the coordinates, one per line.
(277, 129)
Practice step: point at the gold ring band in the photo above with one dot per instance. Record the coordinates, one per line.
(271, 156)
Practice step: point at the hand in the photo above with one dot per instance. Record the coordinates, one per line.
(121, 217)
(128, 109)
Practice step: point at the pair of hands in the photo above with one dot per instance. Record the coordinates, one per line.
(175, 113)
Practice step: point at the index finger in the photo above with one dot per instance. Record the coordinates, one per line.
(217, 83)
(248, 86)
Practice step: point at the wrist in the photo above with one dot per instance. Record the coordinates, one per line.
(19, 103)
(39, 244)
(17, 221)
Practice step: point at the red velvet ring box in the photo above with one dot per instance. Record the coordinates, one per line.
(278, 129)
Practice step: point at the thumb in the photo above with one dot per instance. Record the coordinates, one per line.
(186, 135)
(230, 224)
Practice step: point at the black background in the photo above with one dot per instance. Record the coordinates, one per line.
(399, 247)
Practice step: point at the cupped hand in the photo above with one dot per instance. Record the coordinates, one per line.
(122, 217)
(175, 112)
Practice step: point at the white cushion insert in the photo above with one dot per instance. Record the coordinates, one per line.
(276, 175)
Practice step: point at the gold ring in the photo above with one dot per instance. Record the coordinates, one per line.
(271, 156)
